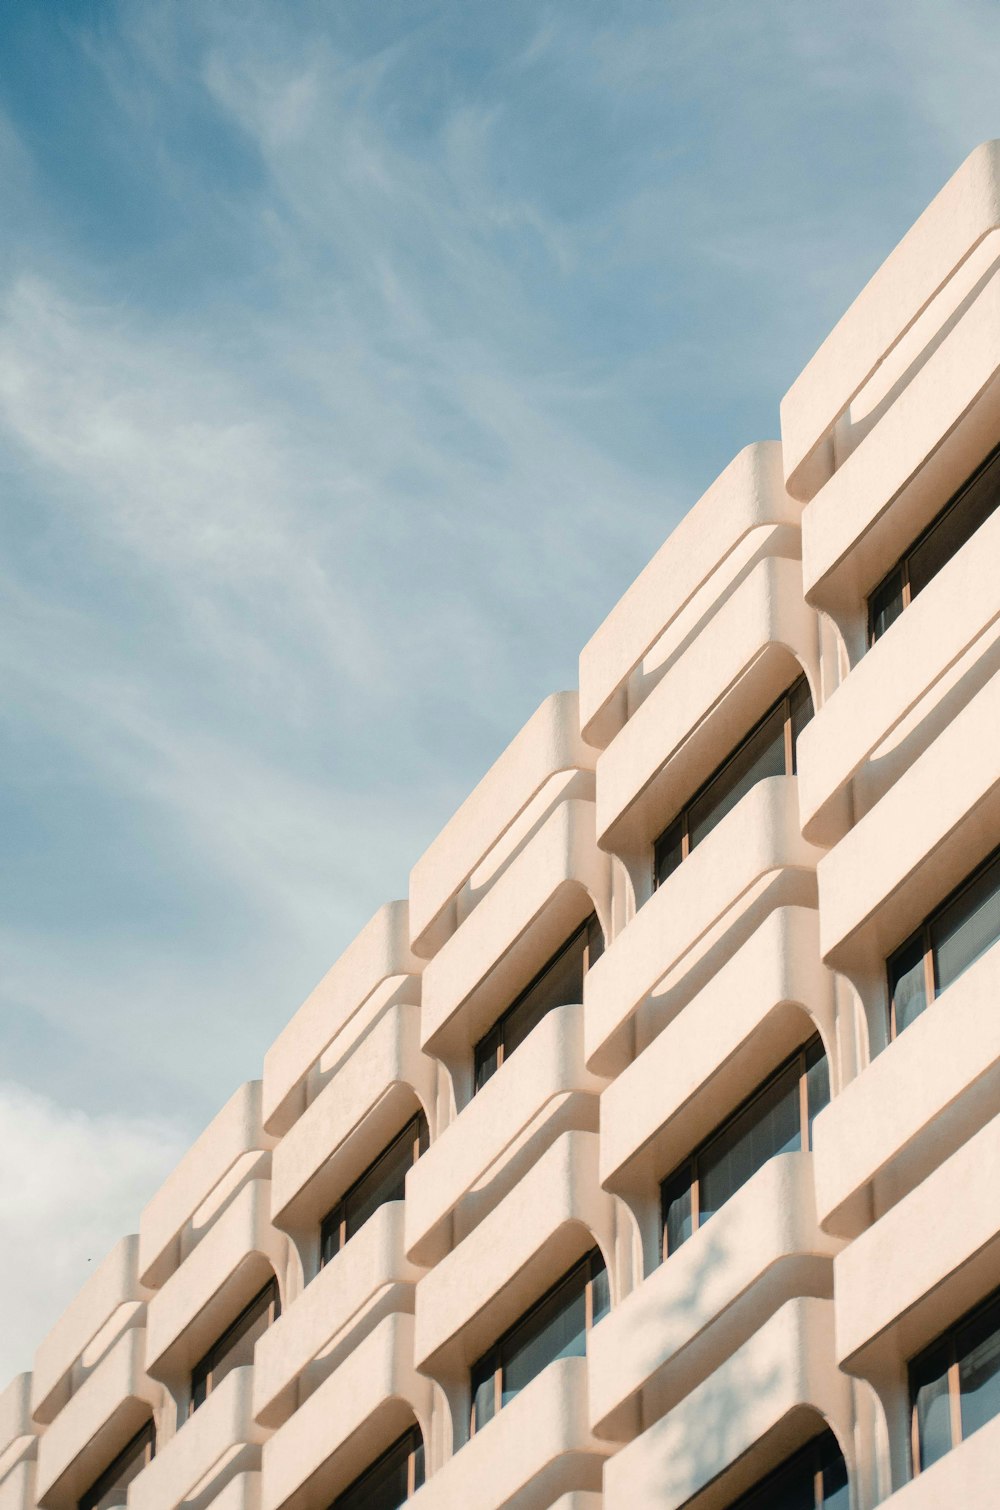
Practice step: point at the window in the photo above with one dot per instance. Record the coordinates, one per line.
(556, 1327)
(111, 1489)
(391, 1479)
(234, 1348)
(955, 1384)
(814, 1479)
(777, 1118)
(954, 936)
(559, 983)
(768, 750)
(943, 538)
(383, 1181)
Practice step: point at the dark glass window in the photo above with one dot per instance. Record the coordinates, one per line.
(768, 750)
(390, 1480)
(234, 1348)
(814, 1479)
(943, 538)
(111, 1489)
(555, 1327)
(382, 1181)
(557, 984)
(954, 936)
(955, 1384)
(777, 1118)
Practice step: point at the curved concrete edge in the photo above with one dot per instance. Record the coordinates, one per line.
(760, 639)
(212, 1447)
(219, 1153)
(321, 1448)
(548, 744)
(761, 837)
(550, 1219)
(764, 1394)
(241, 1493)
(705, 1300)
(753, 1012)
(378, 953)
(556, 880)
(15, 1412)
(747, 495)
(17, 1487)
(958, 217)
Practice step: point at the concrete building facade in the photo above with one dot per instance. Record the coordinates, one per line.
(648, 1154)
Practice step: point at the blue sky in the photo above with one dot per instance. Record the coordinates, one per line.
(353, 360)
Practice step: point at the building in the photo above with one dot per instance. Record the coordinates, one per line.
(712, 939)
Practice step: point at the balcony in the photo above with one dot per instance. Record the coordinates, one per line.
(876, 885)
(362, 1106)
(514, 1118)
(535, 1450)
(880, 333)
(928, 1092)
(368, 1279)
(241, 1493)
(754, 646)
(231, 1150)
(762, 1249)
(745, 515)
(493, 817)
(754, 1410)
(362, 1407)
(964, 1479)
(550, 1219)
(105, 1412)
(754, 862)
(949, 1227)
(899, 698)
(239, 1255)
(216, 1445)
(17, 1486)
(374, 969)
(763, 1002)
(17, 1445)
(553, 883)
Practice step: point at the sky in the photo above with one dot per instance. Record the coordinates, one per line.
(354, 358)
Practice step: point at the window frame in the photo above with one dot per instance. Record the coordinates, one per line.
(591, 929)
(947, 1339)
(204, 1369)
(594, 1265)
(924, 934)
(691, 1162)
(819, 1448)
(416, 1438)
(106, 1480)
(683, 817)
(337, 1217)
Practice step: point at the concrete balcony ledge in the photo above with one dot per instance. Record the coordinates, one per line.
(376, 962)
(363, 1105)
(536, 1453)
(17, 1486)
(217, 1444)
(110, 1301)
(745, 507)
(924, 1095)
(546, 892)
(754, 861)
(949, 1227)
(755, 645)
(966, 1477)
(763, 1002)
(552, 1217)
(878, 884)
(369, 1278)
(900, 696)
(355, 1414)
(17, 1433)
(240, 1493)
(548, 746)
(232, 1149)
(762, 1249)
(517, 1115)
(96, 1423)
(228, 1267)
(744, 1419)
(961, 215)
